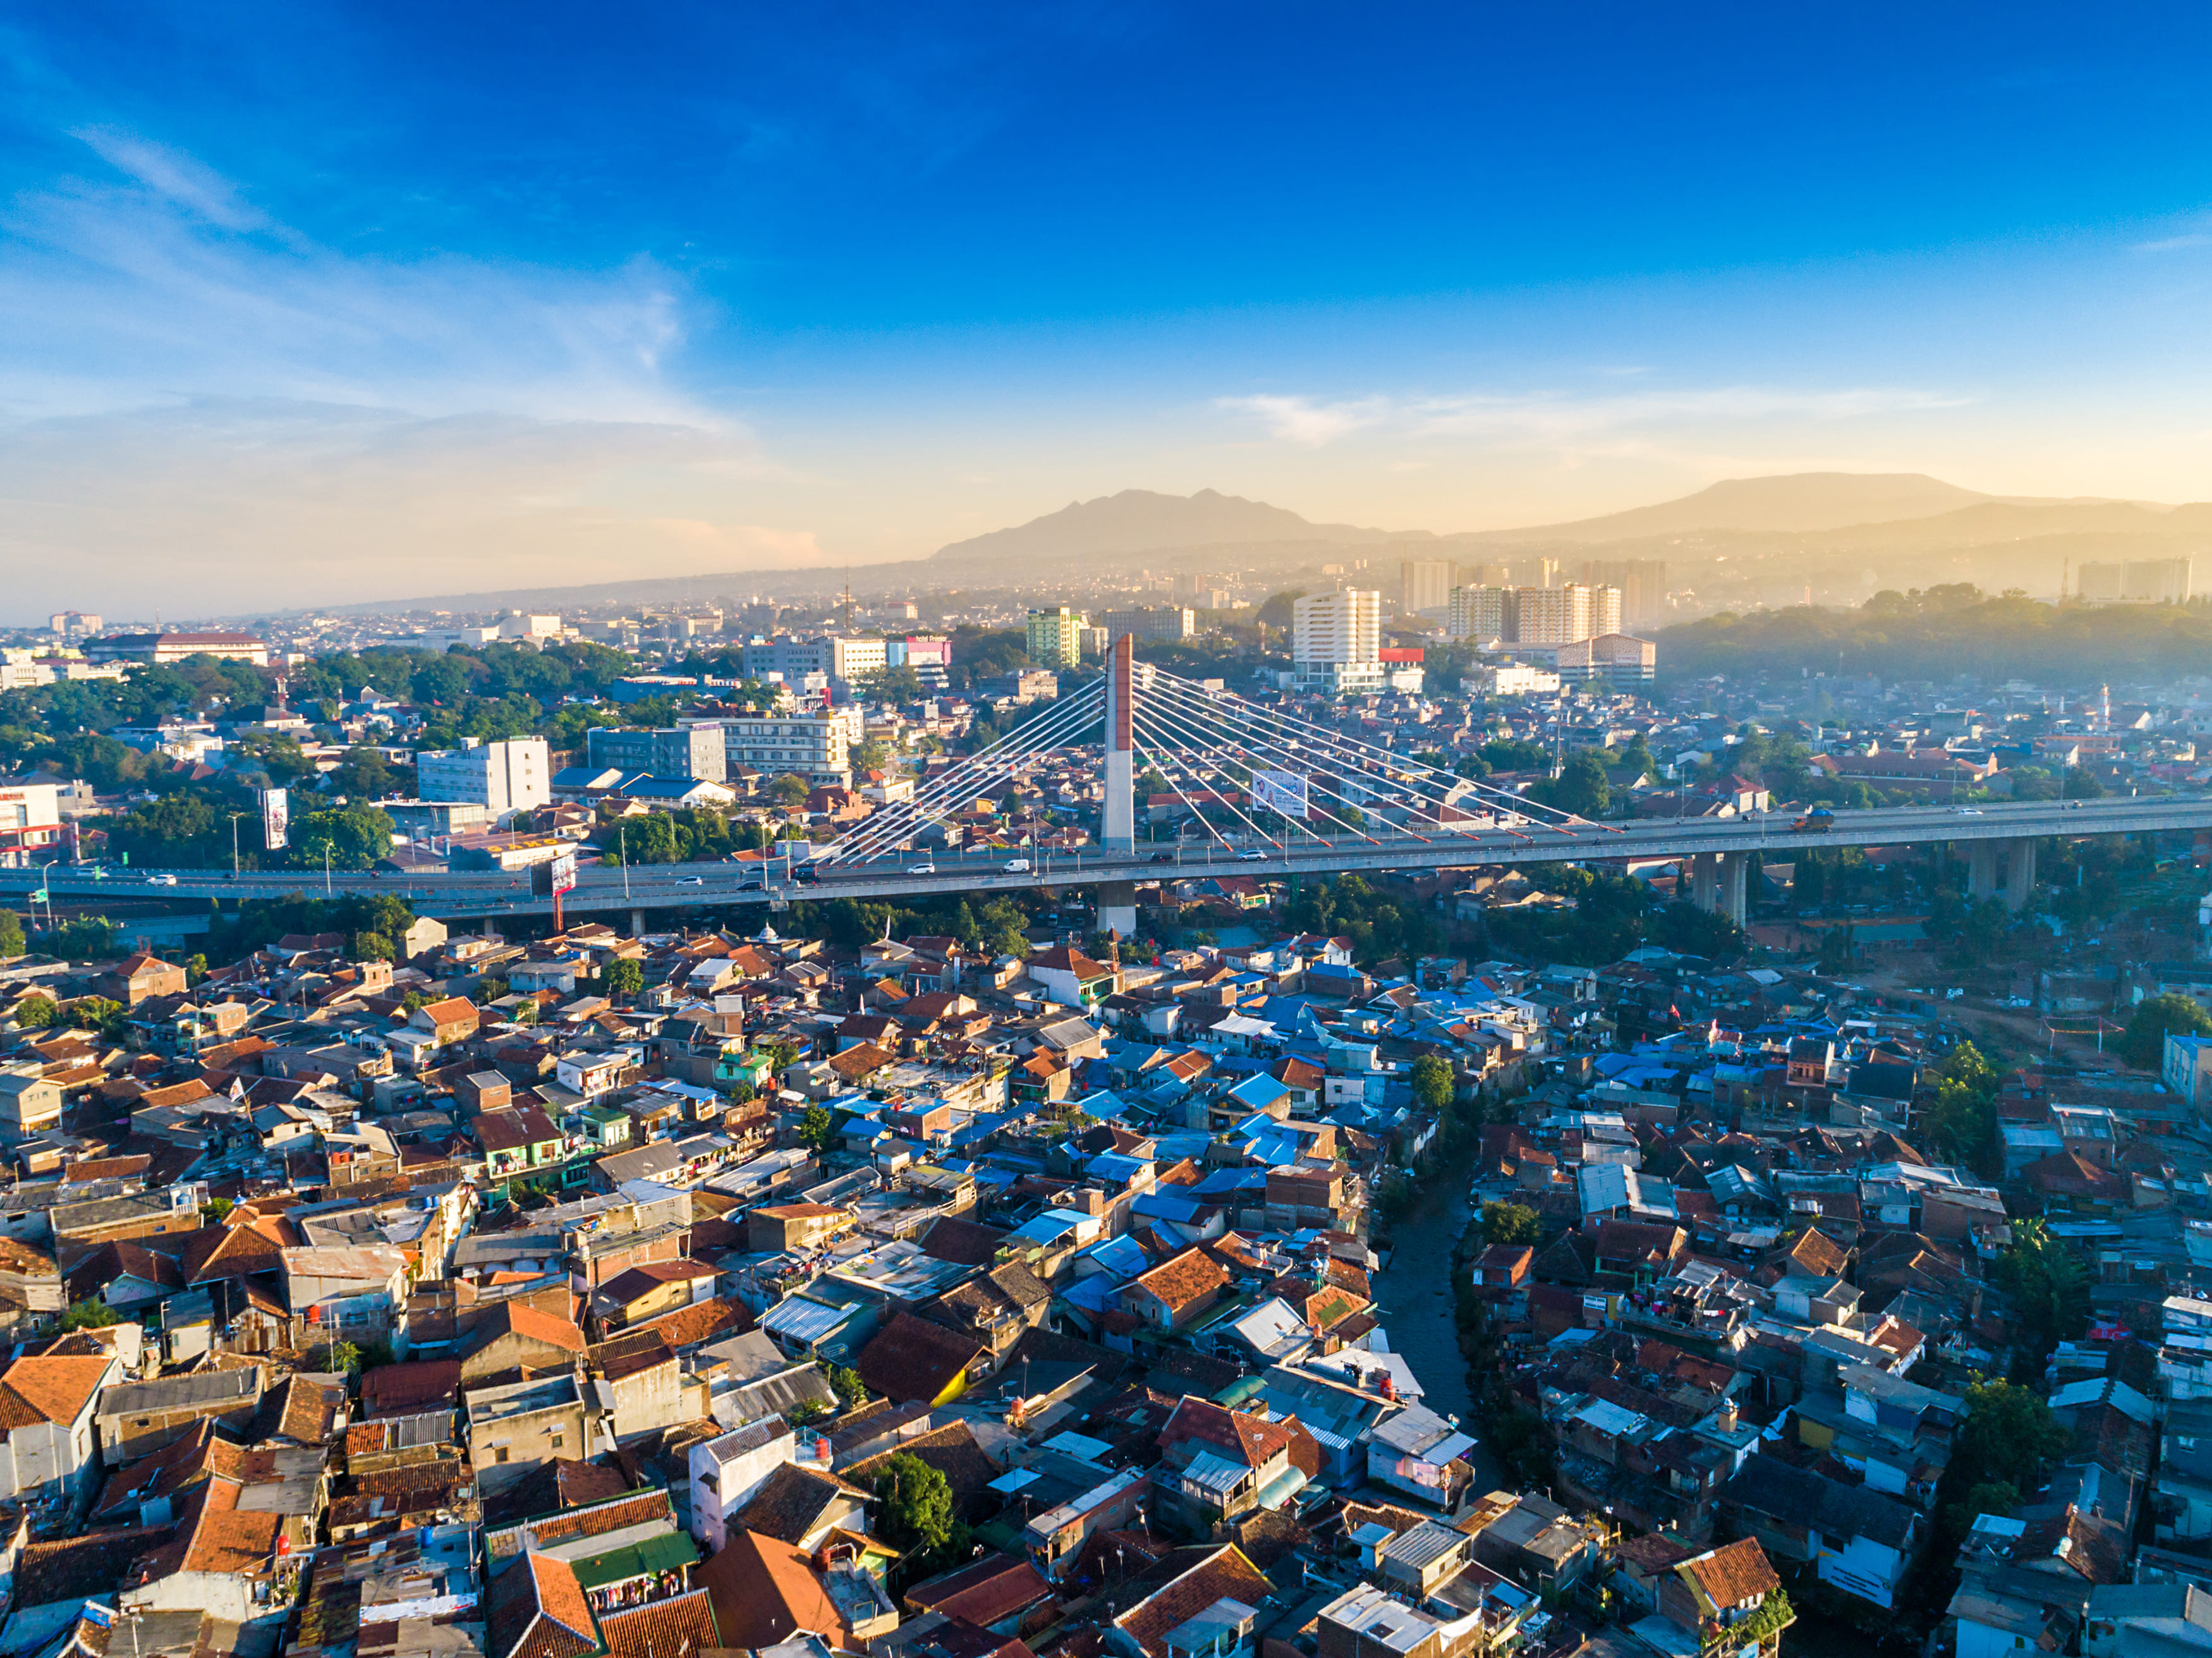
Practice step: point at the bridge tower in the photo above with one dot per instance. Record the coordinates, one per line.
(1117, 900)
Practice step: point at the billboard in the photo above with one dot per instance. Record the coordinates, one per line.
(276, 819)
(554, 876)
(1283, 791)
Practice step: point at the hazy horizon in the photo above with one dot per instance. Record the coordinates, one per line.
(315, 307)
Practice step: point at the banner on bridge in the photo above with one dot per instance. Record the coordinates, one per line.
(1282, 792)
(276, 819)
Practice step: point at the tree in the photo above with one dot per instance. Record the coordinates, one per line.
(915, 1504)
(2049, 1288)
(623, 976)
(2154, 1021)
(1962, 1124)
(340, 1357)
(373, 947)
(366, 775)
(35, 1012)
(1510, 1223)
(2010, 1436)
(1433, 1086)
(851, 1390)
(790, 790)
(90, 1313)
(817, 1129)
(96, 1013)
(1581, 787)
(11, 933)
(350, 837)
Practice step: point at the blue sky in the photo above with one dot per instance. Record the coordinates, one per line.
(336, 302)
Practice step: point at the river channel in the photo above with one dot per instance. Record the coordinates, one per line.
(1414, 1298)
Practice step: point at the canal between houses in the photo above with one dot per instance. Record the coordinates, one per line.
(1414, 1297)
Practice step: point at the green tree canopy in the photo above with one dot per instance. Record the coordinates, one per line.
(914, 1504)
(1510, 1223)
(2154, 1020)
(1433, 1086)
(623, 976)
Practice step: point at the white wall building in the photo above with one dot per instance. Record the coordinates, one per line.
(814, 746)
(1336, 640)
(509, 777)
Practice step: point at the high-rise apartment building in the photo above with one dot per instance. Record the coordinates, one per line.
(1477, 612)
(1152, 622)
(1535, 616)
(1424, 584)
(1056, 637)
(1642, 584)
(505, 778)
(2137, 582)
(855, 657)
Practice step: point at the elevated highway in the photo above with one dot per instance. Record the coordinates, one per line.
(1998, 837)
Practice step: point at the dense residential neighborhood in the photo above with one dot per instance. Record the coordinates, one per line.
(1449, 1263)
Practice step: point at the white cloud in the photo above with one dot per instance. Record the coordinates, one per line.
(2171, 244)
(212, 413)
(1308, 420)
(1551, 417)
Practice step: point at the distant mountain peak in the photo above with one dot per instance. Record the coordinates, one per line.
(1145, 521)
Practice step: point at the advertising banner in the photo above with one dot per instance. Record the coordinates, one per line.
(1283, 791)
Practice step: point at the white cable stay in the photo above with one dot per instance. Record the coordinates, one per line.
(1311, 784)
(1519, 804)
(1289, 754)
(972, 776)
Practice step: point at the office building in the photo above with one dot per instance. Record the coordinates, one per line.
(811, 746)
(1618, 658)
(520, 624)
(1336, 641)
(2136, 581)
(1055, 637)
(178, 647)
(928, 655)
(1424, 585)
(509, 777)
(693, 751)
(1150, 622)
(853, 657)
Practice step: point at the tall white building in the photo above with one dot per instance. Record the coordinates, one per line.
(2137, 582)
(1336, 640)
(505, 778)
(1425, 584)
(813, 746)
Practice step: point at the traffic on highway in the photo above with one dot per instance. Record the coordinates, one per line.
(825, 874)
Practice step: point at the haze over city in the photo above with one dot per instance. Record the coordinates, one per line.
(314, 305)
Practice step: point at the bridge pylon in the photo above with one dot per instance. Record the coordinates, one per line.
(1119, 825)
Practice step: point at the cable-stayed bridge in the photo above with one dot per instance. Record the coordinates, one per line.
(1230, 786)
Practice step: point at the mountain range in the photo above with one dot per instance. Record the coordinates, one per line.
(1870, 516)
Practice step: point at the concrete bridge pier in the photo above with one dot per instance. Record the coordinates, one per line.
(1736, 884)
(1117, 908)
(2019, 874)
(1704, 885)
(1720, 881)
(637, 924)
(1982, 868)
